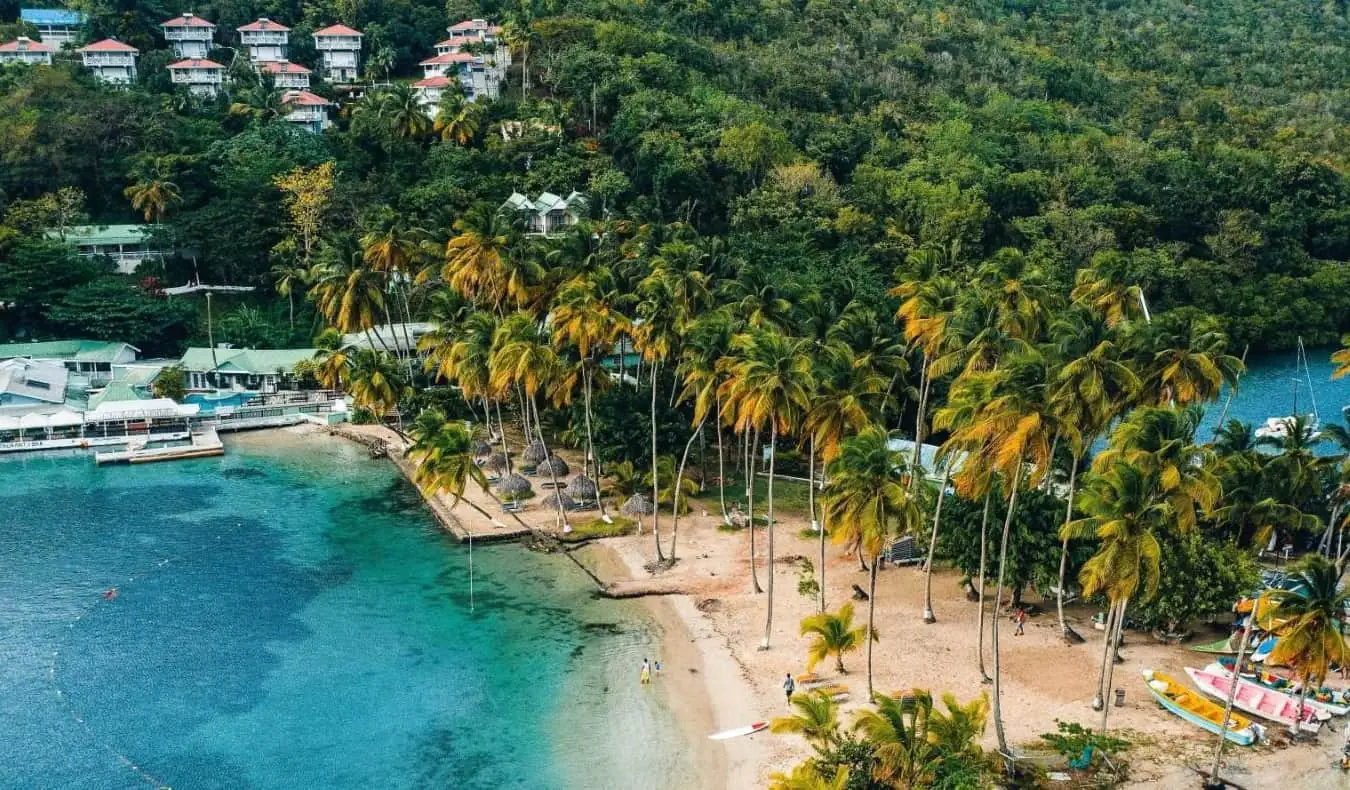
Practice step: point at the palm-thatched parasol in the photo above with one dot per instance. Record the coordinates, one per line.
(554, 466)
(496, 463)
(637, 505)
(582, 488)
(513, 485)
(562, 500)
(534, 454)
(481, 449)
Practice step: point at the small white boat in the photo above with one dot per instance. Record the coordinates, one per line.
(1257, 700)
(737, 732)
(1279, 427)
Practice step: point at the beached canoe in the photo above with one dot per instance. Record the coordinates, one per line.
(1218, 646)
(736, 732)
(1257, 700)
(1197, 710)
(1327, 699)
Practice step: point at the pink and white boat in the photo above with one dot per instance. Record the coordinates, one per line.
(1257, 700)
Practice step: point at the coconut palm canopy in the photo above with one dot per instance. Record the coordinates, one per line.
(554, 466)
(496, 463)
(637, 505)
(582, 487)
(534, 453)
(514, 485)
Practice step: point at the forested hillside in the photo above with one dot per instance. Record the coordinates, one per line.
(1195, 149)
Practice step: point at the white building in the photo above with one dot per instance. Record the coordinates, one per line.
(91, 362)
(126, 245)
(111, 61)
(189, 35)
(201, 77)
(287, 75)
(430, 90)
(27, 51)
(30, 382)
(474, 55)
(242, 369)
(547, 213)
(340, 48)
(57, 27)
(306, 110)
(265, 40)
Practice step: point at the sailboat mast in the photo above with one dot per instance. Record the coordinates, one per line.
(1307, 373)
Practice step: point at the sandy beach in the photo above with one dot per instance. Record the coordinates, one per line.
(715, 623)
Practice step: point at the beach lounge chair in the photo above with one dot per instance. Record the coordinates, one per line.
(511, 507)
(837, 692)
(810, 680)
(902, 551)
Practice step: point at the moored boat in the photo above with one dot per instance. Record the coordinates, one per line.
(1194, 708)
(1326, 699)
(1257, 700)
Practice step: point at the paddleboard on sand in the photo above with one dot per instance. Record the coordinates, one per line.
(739, 731)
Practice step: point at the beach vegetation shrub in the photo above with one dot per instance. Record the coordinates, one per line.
(597, 528)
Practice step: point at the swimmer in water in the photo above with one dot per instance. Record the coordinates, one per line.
(111, 594)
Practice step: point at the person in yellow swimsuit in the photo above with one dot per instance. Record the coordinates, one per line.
(646, 671)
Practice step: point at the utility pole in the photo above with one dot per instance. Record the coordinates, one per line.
(211, 340)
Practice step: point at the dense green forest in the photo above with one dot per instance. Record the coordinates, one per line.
(1195, 149)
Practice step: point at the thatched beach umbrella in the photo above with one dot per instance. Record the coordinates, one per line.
(514, 486)
(534, 454)
(561, 500)
(554, 466)
(582, 488)
(481, 449)
(637, 505)
(496, 463)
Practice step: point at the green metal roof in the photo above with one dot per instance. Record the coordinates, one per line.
(89, 235)
(77, 350)
(115, 391)
(254, 361)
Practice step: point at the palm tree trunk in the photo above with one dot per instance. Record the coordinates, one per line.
(679, 479)
(918, 421)
(1064, 550)
(928, 615)
(1232, 691)
(1099, 701)
(290, 301)
(871, 618)
(773, 456)
(1302, 702)
(721, 464)
(750, 508)
(656, 482)
(824, 515)
(998, 602)
(1111, 663)
(984, 545)
(591, 456)
(811, 481)
(560, 514)
(501, 426)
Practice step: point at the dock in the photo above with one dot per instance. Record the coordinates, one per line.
(205, 443)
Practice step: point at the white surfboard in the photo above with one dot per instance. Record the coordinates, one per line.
(739, 731)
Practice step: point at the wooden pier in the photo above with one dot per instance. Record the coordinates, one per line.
(205, 443)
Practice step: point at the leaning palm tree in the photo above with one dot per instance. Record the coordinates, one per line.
(816, 719)
(706, 341)
(287, 276)
(833, 635)
(1124, 505)
(1307, 619)
(443, 453)
(376, 381)
(473, 258)
(768, 388)
(869, 501)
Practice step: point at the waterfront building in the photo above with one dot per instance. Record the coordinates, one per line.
(287, 75)
(242, 369)
(56, 27)
(26, 51)
(548, 213)
(111, 61)
(32, 382)
(201, 77)
(265, 40)
(189, 35)
(110, 423)
(127, 245)
(306, 110)
(340, 49)
(92, 360)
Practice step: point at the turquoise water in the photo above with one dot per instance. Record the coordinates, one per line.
(1267, 390)
(292, 618)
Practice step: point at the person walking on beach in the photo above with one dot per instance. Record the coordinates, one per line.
(646, 672)
(657, 667)
(789, 686)
(1021, 619)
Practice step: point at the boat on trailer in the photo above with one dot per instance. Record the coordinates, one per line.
(1258, 700)
(1191, 706)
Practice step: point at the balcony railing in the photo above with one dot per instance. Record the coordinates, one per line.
(188, 34)
(337, 42)
(124, 60)
(259, 39)
(196, 77)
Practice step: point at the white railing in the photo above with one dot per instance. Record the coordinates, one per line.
(257, 39)
(188, 34)
(337, 42)
(110, 60)
(196, 76)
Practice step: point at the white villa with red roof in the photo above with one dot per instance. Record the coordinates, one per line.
(306, 110)
(25, 50)
(111, 61)
(430, 90)
(189, 35)
(286, 74)
(340, 48)
(265, 40)
(199, 76)
(473, 55)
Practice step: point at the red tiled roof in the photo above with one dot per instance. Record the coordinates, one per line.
(456, 41)
(468, 24)
(196, 63)
(187, 20)
(449, 57)
(29, 46)
(337, 30)
(304, 98)
(108, 45)
(263, 26)
(284, 67)
(433, 82)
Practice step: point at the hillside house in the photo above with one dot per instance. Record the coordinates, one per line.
(127, 245)
(242, 369)
(26, 51)
(201, 77)
(56, 27)
(287, 75)
(306, 110)
(111, 61)
(265, 40)
(189, 35)
(340, 49)
(548, 213)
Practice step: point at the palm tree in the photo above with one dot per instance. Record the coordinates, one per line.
(1100, 288)
(898, 731)
(1182, 362)
(655, 334)
(706, 340)
(808, 776)
(816, 719)
(288, 275)
(457, 119)
(1161, 442)
(376, 381)
(392, 251)
(398, 109)
(768, 387)
(1341, 359)
(152, 196)
(870, 502)
(473, 258)
(1124, 505)
(351, 298)
(259, 100)
(442, 451)
(834, 635)
(1307, 619)
(518, 35)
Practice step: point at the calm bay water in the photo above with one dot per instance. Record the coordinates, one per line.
(1268, 387)
(290, 616)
